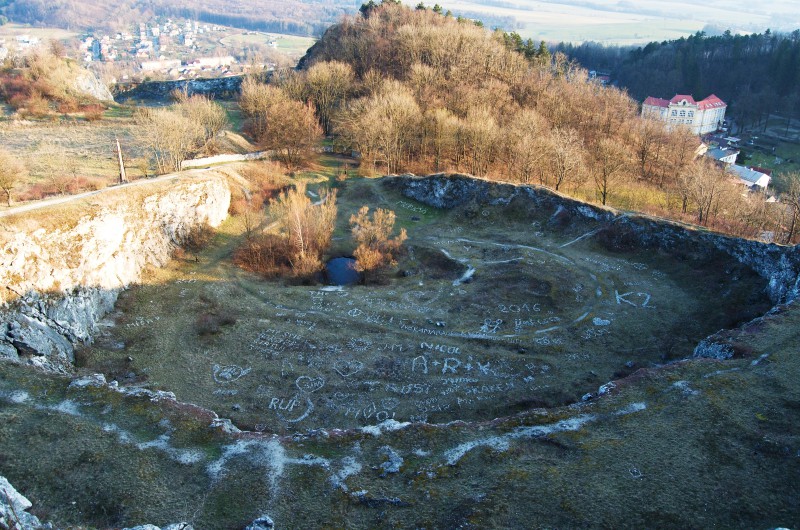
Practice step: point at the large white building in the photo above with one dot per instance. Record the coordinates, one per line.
(701, 117)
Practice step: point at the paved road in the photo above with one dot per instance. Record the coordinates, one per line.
(35, 205)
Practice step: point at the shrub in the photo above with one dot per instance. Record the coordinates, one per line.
(93, 112)
(266, 180)
(266, 255)
(376, 248)
(68, 107)
(211, 323)
(238, 206)
(81, 184)
(36, 106)
(198, 238)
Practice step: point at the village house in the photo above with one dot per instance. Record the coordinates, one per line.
(723, 155)
(750, 177)
(701, 117)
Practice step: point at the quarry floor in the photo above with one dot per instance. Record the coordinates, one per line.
(516, 369)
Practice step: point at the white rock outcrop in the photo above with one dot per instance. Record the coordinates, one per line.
(86, 82)
(60, 283)
(13, 509)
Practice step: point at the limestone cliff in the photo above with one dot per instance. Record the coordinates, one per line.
(60, 282)
(87, 83)
(778, 265)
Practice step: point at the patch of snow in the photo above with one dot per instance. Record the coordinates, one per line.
(498, 443)
(466, 276)
(501, 443)
(182, 456)
(588, 212)
(226, 425)
(15, 396)
(606, 388)
(350, 467)
(268, 454)
(394, 462)
(721, 372)
(630, 409)
(762, 357)
(67, 407)
(385, 426)
(597, 321)
(216, 468)
(89, 380)
(684, 387)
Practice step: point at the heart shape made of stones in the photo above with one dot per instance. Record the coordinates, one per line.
(346, 368)
(309, 384)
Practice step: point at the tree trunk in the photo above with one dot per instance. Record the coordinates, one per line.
(793, 226)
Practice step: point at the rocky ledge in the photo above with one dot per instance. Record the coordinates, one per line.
(60, 283)
(778, 265)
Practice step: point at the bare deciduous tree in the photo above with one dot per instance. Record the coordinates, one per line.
(176, 132)
(441, 128)
(610, 163)
(328, 85)
(707, 185)
(525, 146)
(792, 201)
(479, 136)
(385, 125)
(278, 122)
(308, 226)
(565, 156)
(292, 130)
(376, 248)
(10, 173)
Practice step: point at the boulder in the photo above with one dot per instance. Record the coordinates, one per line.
(264, 522)
(87, 83)
(13, 509)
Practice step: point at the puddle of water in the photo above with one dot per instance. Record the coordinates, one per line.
(342, 271)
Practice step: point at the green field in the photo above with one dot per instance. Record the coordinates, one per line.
(616, 22)
(12, 30)
(291, 45)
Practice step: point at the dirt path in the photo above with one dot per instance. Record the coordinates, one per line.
(27, 207)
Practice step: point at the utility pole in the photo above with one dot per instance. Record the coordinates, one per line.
(122, 177)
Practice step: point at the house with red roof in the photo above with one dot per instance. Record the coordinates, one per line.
(701, 117)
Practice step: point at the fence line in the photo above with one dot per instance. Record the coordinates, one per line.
(219, 159)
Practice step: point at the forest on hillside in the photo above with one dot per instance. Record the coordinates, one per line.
(415, 90)
(755, 74)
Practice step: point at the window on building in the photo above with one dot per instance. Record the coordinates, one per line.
(683, 113)
(691, 114)
(674, 112)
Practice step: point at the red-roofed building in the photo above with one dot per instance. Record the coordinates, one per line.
(701, 117)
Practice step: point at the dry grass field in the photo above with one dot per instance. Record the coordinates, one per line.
(292, 46)
(617, 22)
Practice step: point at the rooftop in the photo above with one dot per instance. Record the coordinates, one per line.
(748, 175)
(711, 102)
(718, 153)
(656, 102)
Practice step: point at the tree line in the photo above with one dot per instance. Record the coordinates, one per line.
(755, 74)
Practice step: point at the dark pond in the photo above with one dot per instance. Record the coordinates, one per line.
(342, 271)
